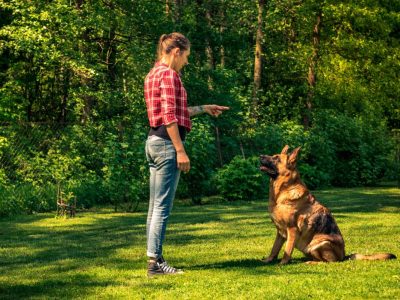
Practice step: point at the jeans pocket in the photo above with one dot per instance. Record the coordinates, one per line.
(169, 151)
(162, 155)
(155, 149)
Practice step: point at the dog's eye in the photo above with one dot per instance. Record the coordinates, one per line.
(277, 158)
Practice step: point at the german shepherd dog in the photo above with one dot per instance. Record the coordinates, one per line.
(300, 220)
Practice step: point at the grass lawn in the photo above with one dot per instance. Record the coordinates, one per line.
(101, 254)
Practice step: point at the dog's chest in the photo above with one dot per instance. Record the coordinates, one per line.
(281, 215)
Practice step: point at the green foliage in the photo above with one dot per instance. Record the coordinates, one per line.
(358, 149)
(337, 150)
(200, 147)
(27, 198)
(241, 179)
(125, 172)
(80, 66)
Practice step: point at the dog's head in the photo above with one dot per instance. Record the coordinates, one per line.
(282, 164)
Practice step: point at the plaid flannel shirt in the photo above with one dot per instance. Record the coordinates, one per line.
(166, 98)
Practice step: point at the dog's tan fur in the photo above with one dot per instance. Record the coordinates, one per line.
(300, 220)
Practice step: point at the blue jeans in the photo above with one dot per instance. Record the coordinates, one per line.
(164, 178)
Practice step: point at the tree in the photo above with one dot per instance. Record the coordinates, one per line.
(312, 77)
(258, 56)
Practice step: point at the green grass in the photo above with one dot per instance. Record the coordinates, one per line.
(101, 254)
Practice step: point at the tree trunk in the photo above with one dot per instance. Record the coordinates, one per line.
(177, 14)
(79, 4)
(221, 32)
(218, 146)
(111, 55)
(64, 97)
(167, 8)
(396, 138)
(312, 76)
(29, 112)
(258, 57)
(211, 67)
(209, 52)
(88, 100)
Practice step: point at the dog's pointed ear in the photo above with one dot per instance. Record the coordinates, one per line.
(293, 156)
(285, 149)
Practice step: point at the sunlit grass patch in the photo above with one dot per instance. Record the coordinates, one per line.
(101, 254)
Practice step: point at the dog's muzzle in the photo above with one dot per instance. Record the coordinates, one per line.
(267, 166)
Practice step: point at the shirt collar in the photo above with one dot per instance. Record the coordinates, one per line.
(158, 63)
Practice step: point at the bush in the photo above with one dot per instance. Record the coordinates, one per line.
(125, 175)
(315, 160)
(200, 146)
(357, 149)
(337, 150)
(8, 206)
(26, 198)
(241, 179)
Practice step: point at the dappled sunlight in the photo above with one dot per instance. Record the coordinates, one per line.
(361, 200)
(104, 252)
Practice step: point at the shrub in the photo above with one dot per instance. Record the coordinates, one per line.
(200, 146)
(125, 176)
(357, 148)
(26, 198)
(241, 179)
(7, 205)
(337, 150)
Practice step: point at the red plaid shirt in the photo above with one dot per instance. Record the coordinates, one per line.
(166, 98)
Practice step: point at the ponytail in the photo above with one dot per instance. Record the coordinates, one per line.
(160, 46)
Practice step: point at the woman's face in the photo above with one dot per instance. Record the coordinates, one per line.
(181, 59)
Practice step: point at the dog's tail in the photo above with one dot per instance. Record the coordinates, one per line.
(377, 256)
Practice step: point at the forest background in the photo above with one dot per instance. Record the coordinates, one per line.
(323, 75)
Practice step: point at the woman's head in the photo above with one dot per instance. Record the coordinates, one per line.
(173, 49)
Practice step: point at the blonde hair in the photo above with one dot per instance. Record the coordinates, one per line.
(167, 42)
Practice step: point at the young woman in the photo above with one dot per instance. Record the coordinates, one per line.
(169, 118)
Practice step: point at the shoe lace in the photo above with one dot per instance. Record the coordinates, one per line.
(166, 268)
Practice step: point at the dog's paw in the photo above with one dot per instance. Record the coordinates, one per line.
(284, 262)
(268, 260)
(313, 262)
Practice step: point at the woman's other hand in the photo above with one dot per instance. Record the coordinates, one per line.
(183, 161)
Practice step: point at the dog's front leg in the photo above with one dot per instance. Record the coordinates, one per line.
(291, 240)
(279, 240)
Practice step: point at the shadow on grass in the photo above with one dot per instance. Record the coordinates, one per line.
(362, 200)
(84, 241)
(53, 288)
(359, 200)
(55, 256)
(251, 264)
(254, 266)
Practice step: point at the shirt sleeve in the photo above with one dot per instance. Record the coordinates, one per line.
(168, 97)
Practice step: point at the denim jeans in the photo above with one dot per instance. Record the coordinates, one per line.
(164, 178)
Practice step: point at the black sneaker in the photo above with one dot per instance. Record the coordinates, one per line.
(153, 269)
(161, 267)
